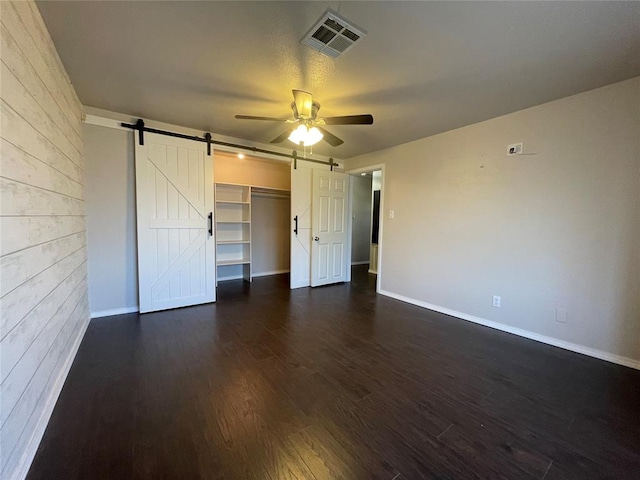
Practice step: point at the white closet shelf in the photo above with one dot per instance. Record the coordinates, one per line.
(233, 224)
(236, 261)
(232, 242)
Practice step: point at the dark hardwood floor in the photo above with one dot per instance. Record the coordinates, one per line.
(333, 383)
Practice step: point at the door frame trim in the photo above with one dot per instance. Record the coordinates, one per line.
(356, 171)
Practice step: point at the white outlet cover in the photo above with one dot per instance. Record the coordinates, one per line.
(392, 213)
(496, 301)
(515, 149)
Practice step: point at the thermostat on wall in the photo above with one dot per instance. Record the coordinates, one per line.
(514, 149)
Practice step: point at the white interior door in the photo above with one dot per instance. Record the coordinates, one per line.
(329, 219)
(176, 247)
(301, 184)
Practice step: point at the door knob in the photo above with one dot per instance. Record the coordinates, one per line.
(316, 239)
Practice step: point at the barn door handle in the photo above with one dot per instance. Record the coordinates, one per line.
(295, 229)
(211, 224)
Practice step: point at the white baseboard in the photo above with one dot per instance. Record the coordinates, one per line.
(364, 262)
(591, 352)
(230, 277)
(36, 437)
(115, 311)
(265, 274)
(253, 275)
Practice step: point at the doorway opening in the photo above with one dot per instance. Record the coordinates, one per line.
(366, 235)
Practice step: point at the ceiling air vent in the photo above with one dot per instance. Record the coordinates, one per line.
(333, 35)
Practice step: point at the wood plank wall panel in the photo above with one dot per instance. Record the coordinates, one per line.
(43, 254)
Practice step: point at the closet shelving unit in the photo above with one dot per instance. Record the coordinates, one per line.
(233, 228)
(233, 231)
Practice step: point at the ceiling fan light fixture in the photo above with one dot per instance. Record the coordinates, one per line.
(305, 136)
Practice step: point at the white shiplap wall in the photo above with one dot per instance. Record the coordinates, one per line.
(43, 255)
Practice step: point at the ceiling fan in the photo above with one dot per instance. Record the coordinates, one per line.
(310, 129)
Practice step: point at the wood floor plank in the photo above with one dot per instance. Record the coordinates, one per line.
(333, 383)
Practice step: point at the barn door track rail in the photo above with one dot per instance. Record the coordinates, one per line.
(140, 127)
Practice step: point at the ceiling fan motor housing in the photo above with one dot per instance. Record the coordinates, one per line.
(315, 106)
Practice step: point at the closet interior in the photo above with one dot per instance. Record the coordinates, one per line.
(252, 216)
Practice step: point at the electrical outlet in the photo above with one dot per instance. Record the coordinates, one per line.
(392, 213)
(561, 315)
(496, 301)
(514, 149)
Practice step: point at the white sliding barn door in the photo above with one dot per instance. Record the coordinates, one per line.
(176, 248)
(301, 184)
(329, 220)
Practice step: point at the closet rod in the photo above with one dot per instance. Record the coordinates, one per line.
(140, 127)
(269, 190)
(275, 195)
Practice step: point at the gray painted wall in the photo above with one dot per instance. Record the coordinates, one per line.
(43, 289)
(555, 228)
(361, 218)
(270, 236)
(111, 219)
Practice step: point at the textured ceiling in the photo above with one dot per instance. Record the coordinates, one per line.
(423, 68)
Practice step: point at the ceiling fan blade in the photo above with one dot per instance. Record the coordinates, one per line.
(330, 138)
(349, 120)
(304, 103)
(281, 138)
(268, 119)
